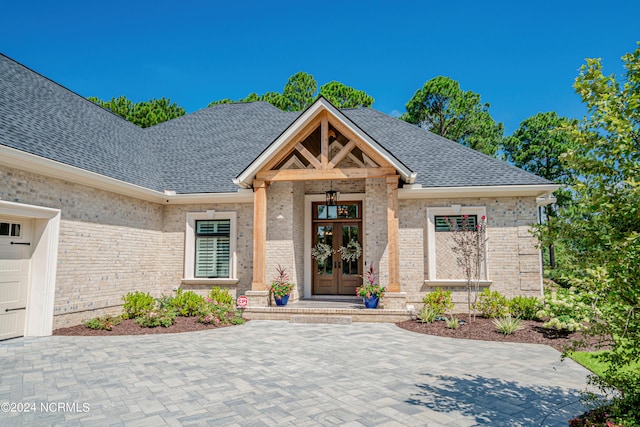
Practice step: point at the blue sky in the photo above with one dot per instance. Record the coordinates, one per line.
(521, 57)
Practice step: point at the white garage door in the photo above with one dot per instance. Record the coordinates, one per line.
(15, 252)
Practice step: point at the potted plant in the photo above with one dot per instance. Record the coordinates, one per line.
(370, 291)
(280, 287)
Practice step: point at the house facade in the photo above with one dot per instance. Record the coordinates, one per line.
(93, 207)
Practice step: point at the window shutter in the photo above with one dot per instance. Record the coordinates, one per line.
(212, 248)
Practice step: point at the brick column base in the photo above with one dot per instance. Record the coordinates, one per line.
(395, 300)
(257, 298)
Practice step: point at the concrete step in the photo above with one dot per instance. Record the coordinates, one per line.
(356, 314)
(336, 320)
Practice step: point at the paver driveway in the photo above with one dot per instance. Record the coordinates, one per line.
(276, 373)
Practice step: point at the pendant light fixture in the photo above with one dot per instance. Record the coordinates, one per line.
(331, 197)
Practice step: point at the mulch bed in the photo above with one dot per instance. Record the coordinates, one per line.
(130, 327)
(484, 330)
(480, 329)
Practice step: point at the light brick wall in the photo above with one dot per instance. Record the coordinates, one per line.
(111, 244)
(412, 246)
(512, 258)
(108, 246)
(343, 186)
(375, 228)
(298, 236)
(280, 232)
(171, 254)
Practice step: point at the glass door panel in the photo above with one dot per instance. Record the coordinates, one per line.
(325, 271)
(325, 235)
(350, 233)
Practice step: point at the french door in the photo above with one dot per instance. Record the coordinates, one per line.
(337, 227)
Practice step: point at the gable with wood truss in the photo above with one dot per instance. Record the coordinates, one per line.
(323, 144)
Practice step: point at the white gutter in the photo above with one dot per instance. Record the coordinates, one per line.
(13, 158)
(545, 200)
(417, 192)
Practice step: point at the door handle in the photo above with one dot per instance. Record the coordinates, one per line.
(21, 243)
(14, 309)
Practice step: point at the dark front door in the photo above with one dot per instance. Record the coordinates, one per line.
(336, 227)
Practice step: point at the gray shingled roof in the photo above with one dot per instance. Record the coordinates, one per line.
(202, 152)
(438, 161)
(41, 117)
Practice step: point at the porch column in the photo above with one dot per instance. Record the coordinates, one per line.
(392, 233)
(259, 234)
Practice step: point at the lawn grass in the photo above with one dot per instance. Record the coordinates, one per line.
(591, 361)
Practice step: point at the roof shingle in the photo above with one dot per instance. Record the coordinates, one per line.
(202, 152)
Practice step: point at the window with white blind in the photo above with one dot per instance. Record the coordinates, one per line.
(210, 249)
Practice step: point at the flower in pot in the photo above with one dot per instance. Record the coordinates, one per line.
(280, 287)
(370, 291)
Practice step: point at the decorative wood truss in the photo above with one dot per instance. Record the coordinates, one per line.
(324, 149)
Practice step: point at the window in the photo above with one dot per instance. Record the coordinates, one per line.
(9, 229)
(442, 268)
(342, 211)
(441, 222)
(210, 247)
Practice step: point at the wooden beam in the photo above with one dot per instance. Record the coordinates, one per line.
(324, 142)
(392, 233)
(363, 146)
(290, 146)
(341, 154)
(351, 156)
(324, 174)
(307, 155)
(368, 161)
(259, 235)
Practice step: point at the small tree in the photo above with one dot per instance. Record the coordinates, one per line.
(469, 242)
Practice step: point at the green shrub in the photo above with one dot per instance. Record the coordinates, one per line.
(222, 296)
(452, 323)
(163, 317)
(136, 304)
(508, 325)
(427, 314)
(164, 301)
(566, 309)
(213, 312)
(439, 301)
(186, 303)
(525, 308)
(492, 304)
(105, 323)
(564, 323)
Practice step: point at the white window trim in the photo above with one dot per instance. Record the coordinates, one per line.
(190, 248)
(432, 277)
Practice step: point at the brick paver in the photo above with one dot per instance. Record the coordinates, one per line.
(268, 373)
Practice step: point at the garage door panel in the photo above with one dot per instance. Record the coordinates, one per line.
(12, 324)
(10, 265)
(12, 293)
(15, 254)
